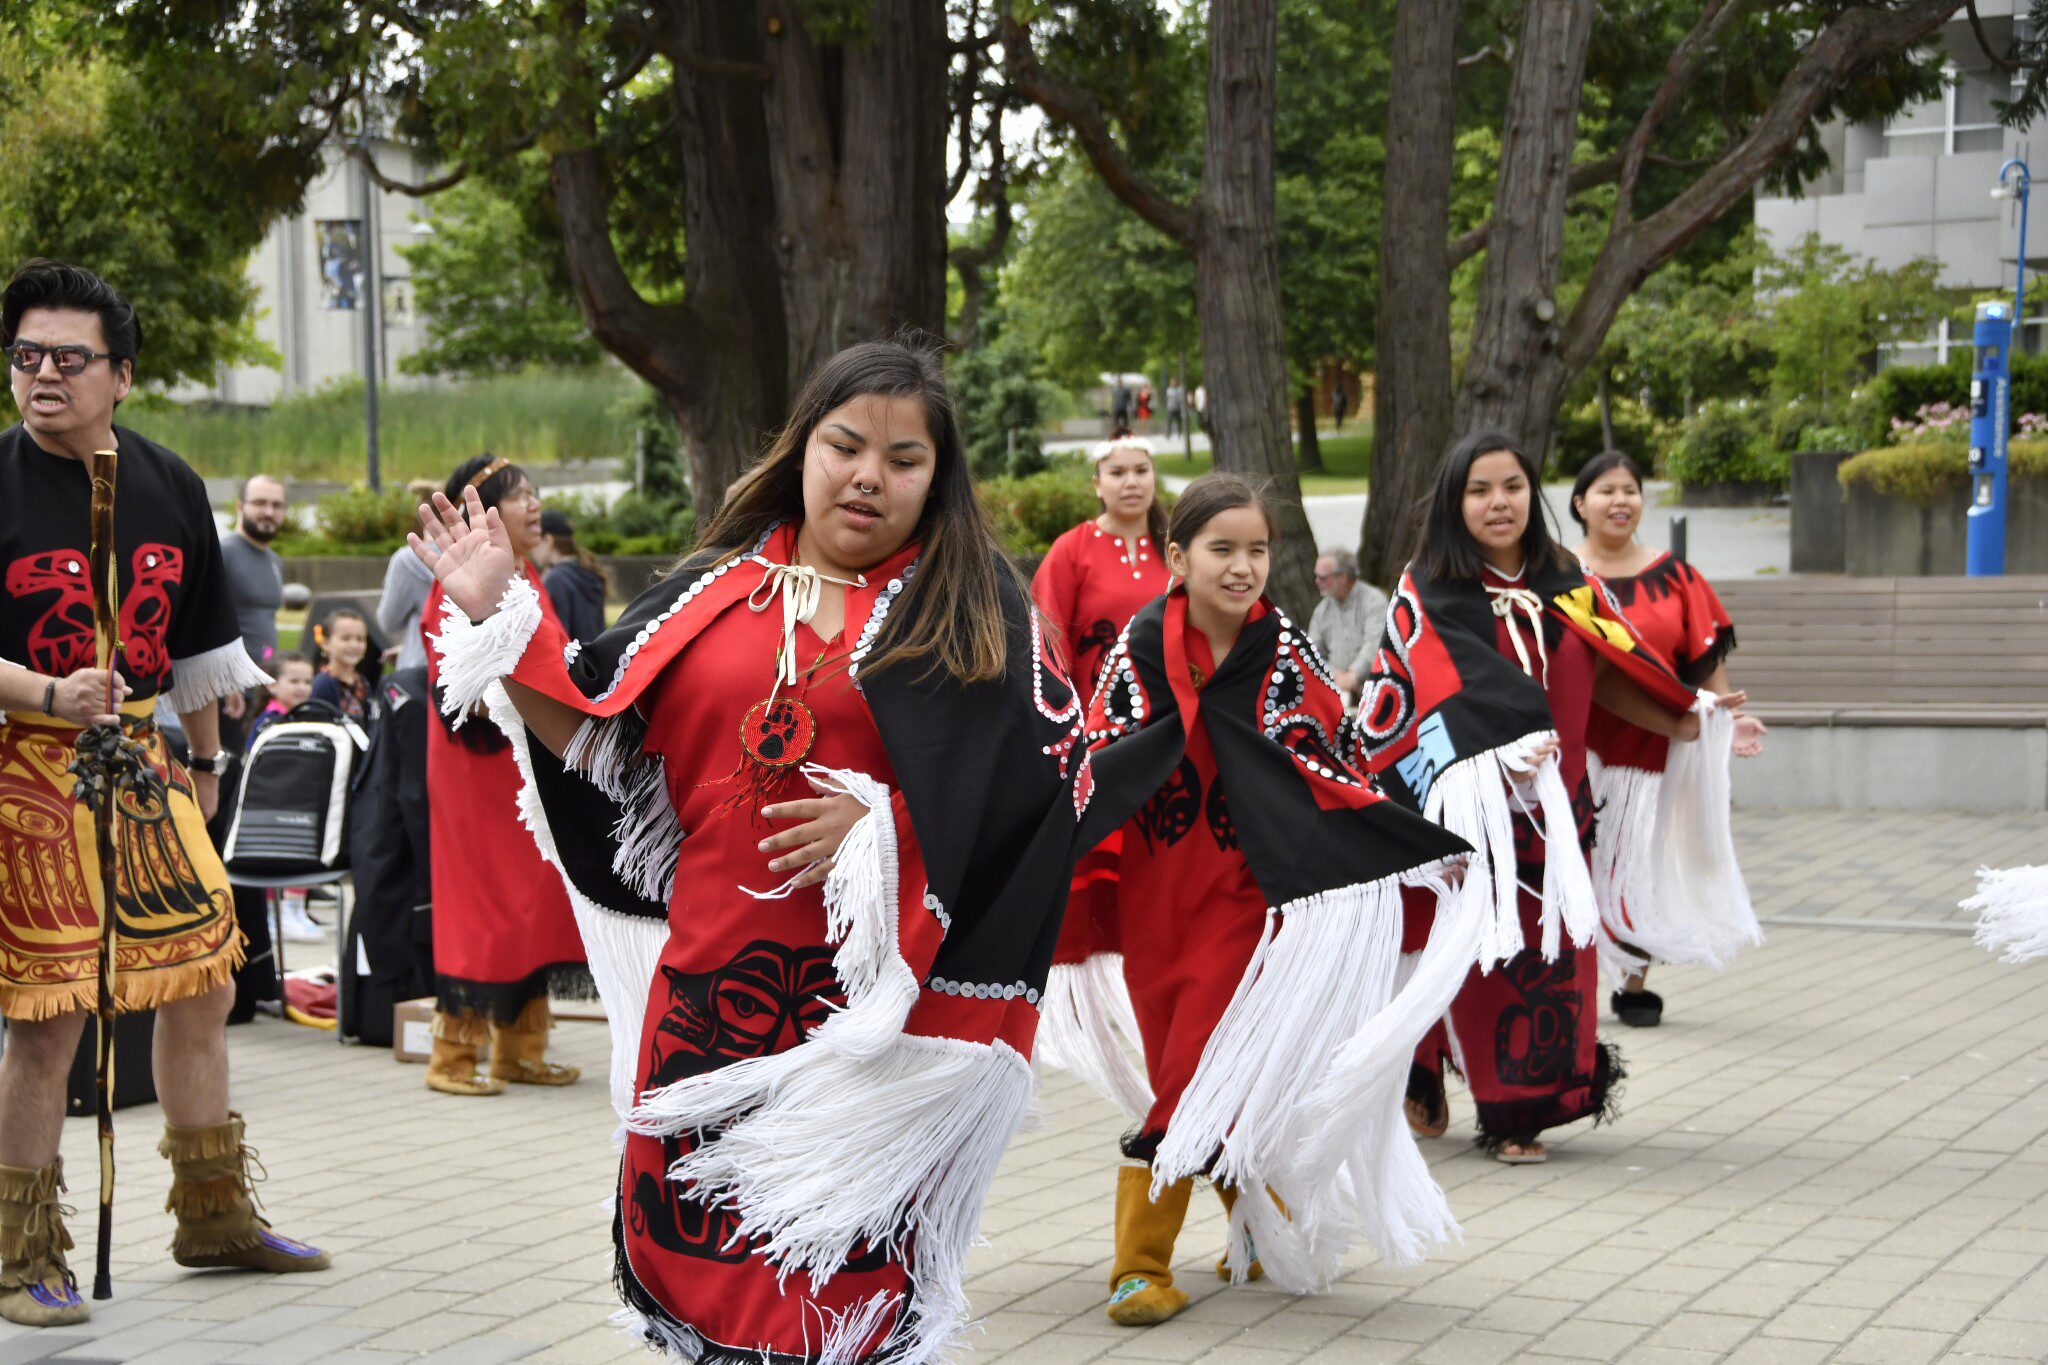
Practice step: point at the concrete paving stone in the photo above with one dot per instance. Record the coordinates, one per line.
(1689, 1331)
(312, 1346)
(1893, 1346)
(1470, 1346)
(271, 1324)
(1584, 1339)
(481, 1351)
(1762, 1350)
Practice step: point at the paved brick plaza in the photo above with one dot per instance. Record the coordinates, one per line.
(1836, 1151)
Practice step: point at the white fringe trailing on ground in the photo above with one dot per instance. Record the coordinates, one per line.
(1664, 864)
(1086, 1025)
(1472, 800)
(820, 1152)
(212, 674)
(1326, 972)
(2012, 912)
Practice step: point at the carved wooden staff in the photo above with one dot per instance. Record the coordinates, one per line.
(106, 612)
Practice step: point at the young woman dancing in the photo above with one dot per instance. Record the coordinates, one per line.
(1497, 651)
(814, 802)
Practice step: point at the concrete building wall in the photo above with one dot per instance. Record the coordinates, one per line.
(1920, 185)
(308, 298)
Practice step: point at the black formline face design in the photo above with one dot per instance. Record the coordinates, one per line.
(767, 999)
(1536, 1038)
(1168, 815)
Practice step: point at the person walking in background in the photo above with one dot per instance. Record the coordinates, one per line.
(344, 641)
(1346, 624)
(255, 576)
(1202, 406)
(406, 584)
(1340, 403)
(1176, 407)
(1119, 408)
(572, 578)
(1648, 920)
(1144, 409)
(503, 931)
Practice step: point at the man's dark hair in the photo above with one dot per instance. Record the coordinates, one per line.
(43, 283)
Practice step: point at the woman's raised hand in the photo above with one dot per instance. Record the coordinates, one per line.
(474, 561)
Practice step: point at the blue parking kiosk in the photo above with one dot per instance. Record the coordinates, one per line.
(1990, 418)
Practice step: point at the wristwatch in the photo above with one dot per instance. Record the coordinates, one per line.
(212, 763)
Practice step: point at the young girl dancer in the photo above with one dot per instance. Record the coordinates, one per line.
(1646, 917)
(1497, 650)
(1259, 907)
(816, 803)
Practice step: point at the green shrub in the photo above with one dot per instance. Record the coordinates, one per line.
(1923, 471)
(1033, 511)
(1898, 393)
(1579, 437)
(356, 516)
(1727, 442)
(996, 393)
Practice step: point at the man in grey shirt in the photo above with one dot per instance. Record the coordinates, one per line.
(255, 573)
(1348, 622)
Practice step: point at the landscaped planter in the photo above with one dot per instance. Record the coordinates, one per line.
(1904, 538)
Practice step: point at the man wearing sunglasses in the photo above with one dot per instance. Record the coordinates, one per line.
(71, 343)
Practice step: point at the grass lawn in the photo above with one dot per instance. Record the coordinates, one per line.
(1346, 462)
(541, 417)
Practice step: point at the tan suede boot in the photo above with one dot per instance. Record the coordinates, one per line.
(1141, 1291)
(36, 1286)
(213, 1195)
(1228, 1194)
(451, 1069)
(516, 1049)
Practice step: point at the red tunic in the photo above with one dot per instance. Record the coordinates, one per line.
(1676, 612)
(501, 915)
(1188, 914)
(739, 977)
(1089, 587)
(1527, 1031)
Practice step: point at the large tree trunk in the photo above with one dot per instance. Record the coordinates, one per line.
(1515, 374)
(858, 165)
(1411, 409)
(1237, 283)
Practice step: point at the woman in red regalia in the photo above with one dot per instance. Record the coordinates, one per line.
(1498, 651)
(502, 928)
(1674, 609)
(814, 797)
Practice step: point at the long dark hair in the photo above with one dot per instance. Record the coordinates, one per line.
(1603, 463)
(1209, 496)
(1448, 553)
(494, 489)
(1155, 515)
(950, 615)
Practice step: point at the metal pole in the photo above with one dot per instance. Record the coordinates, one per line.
(1678, 539)
(368, 305)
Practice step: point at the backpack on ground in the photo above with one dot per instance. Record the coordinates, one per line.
(292, 803)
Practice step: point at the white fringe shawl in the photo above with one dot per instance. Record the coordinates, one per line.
(2012, 912)
(1086, 1026)
(212, 674)
(623, 949)
(1326, 972)
(822, 1151)
(1472, 800)
(1664, 865)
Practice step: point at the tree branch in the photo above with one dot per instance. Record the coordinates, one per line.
(1501, 54)
(1472, 241)
(1860, 36)
(657, 341)
(1679, 72)
(1984, 40)
(970, 80)
(1081, 114)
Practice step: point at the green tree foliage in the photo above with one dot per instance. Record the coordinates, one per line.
(92, 172)
(1826, 313)
(1002, 404)
(491, 284)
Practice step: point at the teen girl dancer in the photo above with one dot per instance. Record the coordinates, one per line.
(1647, 915)
(1497, 651)
(815, 803)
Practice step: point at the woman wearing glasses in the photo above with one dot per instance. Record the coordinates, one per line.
(503, 931)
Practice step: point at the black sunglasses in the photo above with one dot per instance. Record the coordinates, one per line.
(28, 357)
